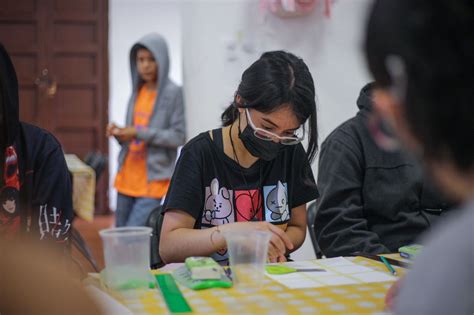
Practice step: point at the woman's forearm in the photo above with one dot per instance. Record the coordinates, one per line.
(297, 235)
(181, 243)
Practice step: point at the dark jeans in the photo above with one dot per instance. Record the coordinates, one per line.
(134, 211)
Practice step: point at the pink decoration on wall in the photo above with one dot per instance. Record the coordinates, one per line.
(293, 8)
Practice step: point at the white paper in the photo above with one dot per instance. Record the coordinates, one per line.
(374, 276)
(338, 271)
(337, 261)
(351, 269)
(337, 280)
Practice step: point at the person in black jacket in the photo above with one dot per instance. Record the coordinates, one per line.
(35, 185)
(371, 200)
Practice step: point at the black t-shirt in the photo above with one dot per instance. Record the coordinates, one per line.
(214, 189)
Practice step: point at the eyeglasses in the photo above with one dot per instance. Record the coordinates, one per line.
(270, 136)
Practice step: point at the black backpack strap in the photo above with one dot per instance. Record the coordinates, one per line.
(155, 221)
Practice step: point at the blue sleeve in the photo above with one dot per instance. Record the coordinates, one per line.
(441, 280)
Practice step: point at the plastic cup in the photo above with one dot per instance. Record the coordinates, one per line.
(127, 257)
(248, 252)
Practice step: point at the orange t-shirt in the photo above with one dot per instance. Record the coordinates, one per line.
(132, 178)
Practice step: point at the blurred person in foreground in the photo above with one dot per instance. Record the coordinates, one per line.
(35, 184)
(39, 286)
(421, 54)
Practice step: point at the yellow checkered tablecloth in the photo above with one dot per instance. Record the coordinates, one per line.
(83, 185)
(273, 299)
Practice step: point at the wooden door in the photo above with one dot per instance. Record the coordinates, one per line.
(59, 49)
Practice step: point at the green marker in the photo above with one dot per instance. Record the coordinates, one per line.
(387, 264)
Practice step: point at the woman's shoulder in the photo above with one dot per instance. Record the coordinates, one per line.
(38, 140)
(172, 88)
(200, 143)
(297, 151)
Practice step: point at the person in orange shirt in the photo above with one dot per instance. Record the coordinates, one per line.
(155, 128)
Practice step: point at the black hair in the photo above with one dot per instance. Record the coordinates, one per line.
(9, 193)
(275, 80)
(137, 47)
(134, 53)
(434, 42)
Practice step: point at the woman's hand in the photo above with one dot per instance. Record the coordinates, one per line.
(124, 134)
(111, 129)
(280, 243)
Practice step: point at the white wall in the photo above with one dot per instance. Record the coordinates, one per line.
(330, 47)
(128, 21)
(220, 38)
(212, 66)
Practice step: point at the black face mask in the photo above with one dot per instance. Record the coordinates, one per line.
(265, 150)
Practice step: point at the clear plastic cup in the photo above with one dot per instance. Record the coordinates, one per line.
(127, 257)
(248, 252)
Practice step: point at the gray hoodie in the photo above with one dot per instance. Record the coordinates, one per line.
(166, 129)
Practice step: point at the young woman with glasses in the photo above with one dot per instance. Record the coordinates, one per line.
(251, 174)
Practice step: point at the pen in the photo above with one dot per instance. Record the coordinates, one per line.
(393, 262)
(387, 264)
